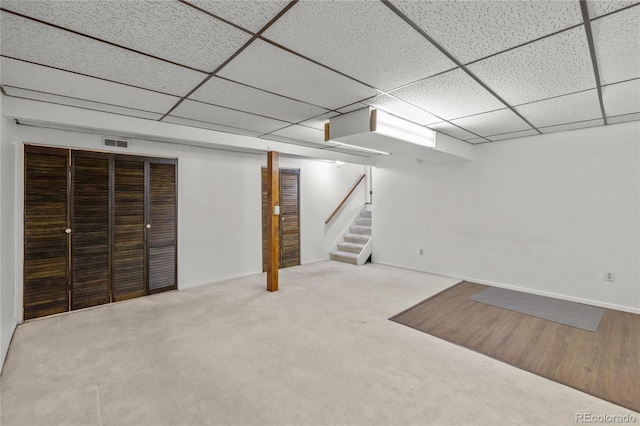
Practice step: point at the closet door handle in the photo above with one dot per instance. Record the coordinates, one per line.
(68, 230)
(148, 225)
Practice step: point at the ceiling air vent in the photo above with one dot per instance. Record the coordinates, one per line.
(115, 143)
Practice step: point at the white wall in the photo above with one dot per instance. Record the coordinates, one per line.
(8, 303)
(548, 214)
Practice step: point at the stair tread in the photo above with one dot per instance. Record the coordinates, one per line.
(350, 244)
(345, 253)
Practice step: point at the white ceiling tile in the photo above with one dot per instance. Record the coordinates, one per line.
(402, 109)
(39, 43)
(452, 130)
(270, 68)
(564, 109)
(382, 50)
(226, 117)
(572, 126)
(513, 135)
(476, 140)
(233, 95)
(209, 126)
(319, 121)
(248, 14)
(623, 118)
(80, 103)
(471, 30)
(450, 95)
(622, 98)
(172, 30)
(553, 66)
(602, 7)
(43, 79)
(617, 43)
(493, 123)
(353, 107)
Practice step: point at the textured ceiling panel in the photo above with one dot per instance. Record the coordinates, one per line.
(621, 98)
(617, 43)
(382, 50)
(35, 77)
(450, 95)
(353, 107)
(564, 109)
(572, 126)
(62, 100)
(172, 30)
(493, 123)
(452, 130)
(209, 126)
(513, 135)
(319, 121)
(267, 67)
(226, 117)
(31, 41)
(248, 14)
(471, 30)
(476, 140)
(402, 109)
(550, 67)
(624, 118)
(233, 95)
(302, 133)
(600, 7)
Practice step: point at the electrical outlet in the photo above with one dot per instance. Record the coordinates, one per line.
(421, 252)
(609, 276)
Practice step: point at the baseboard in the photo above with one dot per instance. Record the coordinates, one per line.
(3, 355)
(221, 280)
(598, 303)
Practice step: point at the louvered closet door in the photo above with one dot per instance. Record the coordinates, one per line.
(128, 228)
(289, 218)
(161, 225)
(90, 236)
(45, 240)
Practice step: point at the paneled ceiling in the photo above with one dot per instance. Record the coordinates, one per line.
(480, 71)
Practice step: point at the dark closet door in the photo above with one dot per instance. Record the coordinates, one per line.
(161, 225)
(90, 236)
(128, 228)
(45, 240)
(289, 218)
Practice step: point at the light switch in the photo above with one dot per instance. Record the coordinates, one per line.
(276, 210)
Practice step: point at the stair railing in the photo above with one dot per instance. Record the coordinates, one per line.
(344, 200)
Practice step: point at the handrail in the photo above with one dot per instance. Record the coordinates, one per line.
(344, 200)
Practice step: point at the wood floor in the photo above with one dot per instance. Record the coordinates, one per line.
(604, 363)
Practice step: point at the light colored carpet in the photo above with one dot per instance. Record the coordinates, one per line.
(319, 351)
(572, 314)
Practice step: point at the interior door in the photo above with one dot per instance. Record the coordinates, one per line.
(128, 250)
(161, 231)
(289, 218)
(90, 229)
(46, 243)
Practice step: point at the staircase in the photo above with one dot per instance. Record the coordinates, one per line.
(356, 247)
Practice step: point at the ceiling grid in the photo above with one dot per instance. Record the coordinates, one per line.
(280, 69)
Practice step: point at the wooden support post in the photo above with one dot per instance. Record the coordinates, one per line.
(273, 220)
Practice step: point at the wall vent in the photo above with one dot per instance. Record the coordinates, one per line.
(115, 143)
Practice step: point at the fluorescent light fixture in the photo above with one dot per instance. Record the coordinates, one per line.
(359, 148)
(379, 132)
(398, 128)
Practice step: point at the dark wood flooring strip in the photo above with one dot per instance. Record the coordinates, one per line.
(604, 363)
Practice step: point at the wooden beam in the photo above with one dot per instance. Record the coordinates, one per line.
(273, 220)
